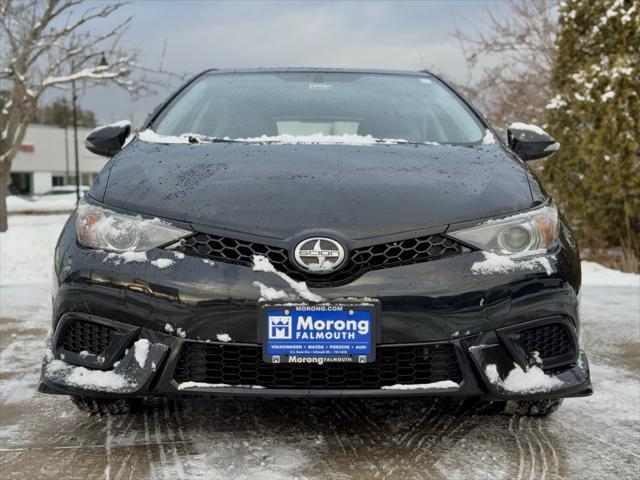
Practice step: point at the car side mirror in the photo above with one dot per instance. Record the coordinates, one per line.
(108, 139)
(530, 142)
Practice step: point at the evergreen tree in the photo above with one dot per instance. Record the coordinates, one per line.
(60, 113)
(595, 115)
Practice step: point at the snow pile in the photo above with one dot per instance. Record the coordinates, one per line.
(120, 124)
(494, 263)
(127, 257)
(528, 127)
(26, 253)
(315, 139)
(262, 264)
(162, 262)
(434, 385)
(321, 139)
(607, 95)
(531, 380)
(595, 274)
(556, 102)
(178, 331)
(101, 380)
(187, 385)
(44, 203)
(223, 337)
(150, 136)
(141, 351)
(269, 294)
(488, 138)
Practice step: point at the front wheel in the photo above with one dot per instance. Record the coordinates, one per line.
(533, 408)
(107, 406)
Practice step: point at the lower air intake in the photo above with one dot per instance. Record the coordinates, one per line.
(548, 340)
(243, 365)
(82, 336)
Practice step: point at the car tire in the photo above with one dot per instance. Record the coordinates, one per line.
(107, 406)
(533, 408)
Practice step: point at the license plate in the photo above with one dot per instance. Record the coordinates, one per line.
(319, 333)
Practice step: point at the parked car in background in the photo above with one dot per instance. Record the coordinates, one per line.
(66, 190)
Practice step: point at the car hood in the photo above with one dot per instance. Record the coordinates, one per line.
(279, 191)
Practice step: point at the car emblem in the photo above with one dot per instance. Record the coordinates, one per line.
(319, 254)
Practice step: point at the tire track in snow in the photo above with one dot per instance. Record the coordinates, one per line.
(522, 431)
(554, 454)
(395, 462)
(452, 419)
(443, 428)
(364, 445)
(177, 461)
(520, 449)
(532, 423)
(107, 447)
(424, 414)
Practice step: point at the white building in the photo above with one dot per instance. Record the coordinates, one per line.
(46, 159)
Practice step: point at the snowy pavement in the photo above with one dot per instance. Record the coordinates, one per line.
(42, 436)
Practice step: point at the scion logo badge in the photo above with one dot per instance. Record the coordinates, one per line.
(319, 254)
(280, 328)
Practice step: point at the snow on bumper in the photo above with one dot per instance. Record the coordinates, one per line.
(132, 374)
(507, 380)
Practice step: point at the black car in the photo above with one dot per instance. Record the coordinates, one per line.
(316, 233)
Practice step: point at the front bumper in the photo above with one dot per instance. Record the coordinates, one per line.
(162, 370)
(425, 307)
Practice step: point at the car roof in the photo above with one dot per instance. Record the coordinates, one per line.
(317, 70)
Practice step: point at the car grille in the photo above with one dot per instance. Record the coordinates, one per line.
(548, 340)
(402, 252)
(243, 365)
(80, 336)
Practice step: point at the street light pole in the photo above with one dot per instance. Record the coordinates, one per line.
(74, 98)
(75, 138)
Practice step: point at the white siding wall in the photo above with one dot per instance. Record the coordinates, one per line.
(48, 157)
(41, 182)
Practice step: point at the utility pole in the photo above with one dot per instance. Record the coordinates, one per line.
(66, 154)
(74, 99)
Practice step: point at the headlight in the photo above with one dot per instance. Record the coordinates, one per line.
(526, 232)
(103, 229)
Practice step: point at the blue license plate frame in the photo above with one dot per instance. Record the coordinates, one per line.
(326, 333)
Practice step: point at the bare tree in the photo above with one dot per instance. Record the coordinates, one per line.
(519, 40)
(48, 44)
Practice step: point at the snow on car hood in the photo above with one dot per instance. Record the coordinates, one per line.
(281, 190)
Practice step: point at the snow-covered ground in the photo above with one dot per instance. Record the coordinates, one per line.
(46, 437)
(41, 203)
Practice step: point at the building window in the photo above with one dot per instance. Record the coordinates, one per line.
(87, 178)
(57, 180)
(20, 184)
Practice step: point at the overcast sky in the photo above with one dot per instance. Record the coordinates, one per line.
(205, 34)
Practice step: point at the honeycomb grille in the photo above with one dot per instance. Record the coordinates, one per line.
(243, 365)
(403, 252)
(82, 336)
(548, 340)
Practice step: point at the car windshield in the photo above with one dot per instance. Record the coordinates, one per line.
(411, 108)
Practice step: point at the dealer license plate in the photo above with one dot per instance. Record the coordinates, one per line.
(319, 333)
